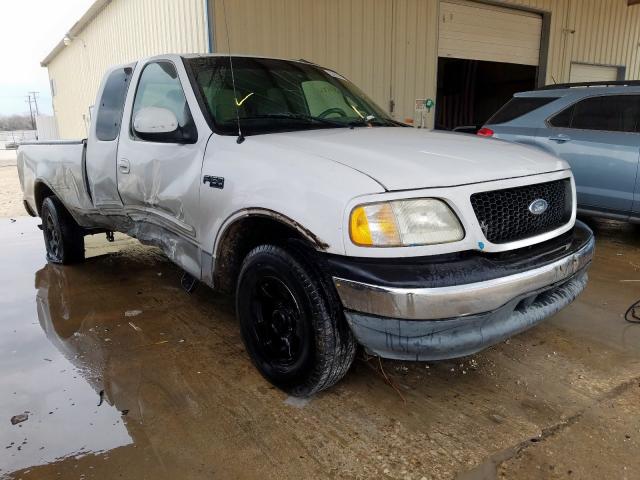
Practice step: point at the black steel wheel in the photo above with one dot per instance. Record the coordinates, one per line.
(280, 332)
(63, 238)
(291, 321)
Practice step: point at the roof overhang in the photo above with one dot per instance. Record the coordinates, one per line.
(93, 11)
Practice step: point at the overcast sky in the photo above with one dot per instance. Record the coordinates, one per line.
(29, 29)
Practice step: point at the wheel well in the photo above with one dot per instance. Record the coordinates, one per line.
(40, 192)
(243, 236)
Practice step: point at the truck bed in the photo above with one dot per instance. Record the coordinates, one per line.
(54, 142)
(58, 165)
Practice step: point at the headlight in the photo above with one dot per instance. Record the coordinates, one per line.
(401, 223)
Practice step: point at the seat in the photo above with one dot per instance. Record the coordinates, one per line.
(221, 103)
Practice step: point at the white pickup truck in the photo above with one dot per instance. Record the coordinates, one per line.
(333, 224)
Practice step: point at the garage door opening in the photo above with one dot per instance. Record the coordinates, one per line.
(486, 53)
(470, 91)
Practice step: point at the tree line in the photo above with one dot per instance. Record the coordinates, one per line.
(15, 122)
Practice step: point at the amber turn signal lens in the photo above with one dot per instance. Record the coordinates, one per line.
(403, 223)
(359, 227)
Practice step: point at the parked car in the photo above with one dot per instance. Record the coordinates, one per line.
(333, 224)
(595, 127)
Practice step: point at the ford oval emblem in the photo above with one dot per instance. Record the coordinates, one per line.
(538, 206)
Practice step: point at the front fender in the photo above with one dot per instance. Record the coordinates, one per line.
(306, 192)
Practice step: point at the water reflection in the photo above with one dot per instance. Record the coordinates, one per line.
(37, 378)
(167, 377)
(196, 408)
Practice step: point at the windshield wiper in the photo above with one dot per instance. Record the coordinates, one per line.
(368, 121)
(297, 116)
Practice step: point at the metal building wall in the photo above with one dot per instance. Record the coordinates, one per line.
(590, 31)
(383, 46)
(391, 46)
(415, 54)
(387, 47)
(123, 31)
(314, 30)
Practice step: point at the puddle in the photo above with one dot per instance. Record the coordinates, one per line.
(37, 377)
(614, 284)
(177, 392)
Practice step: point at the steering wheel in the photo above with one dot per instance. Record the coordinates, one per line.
(335, 110)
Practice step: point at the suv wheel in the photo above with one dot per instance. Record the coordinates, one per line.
(62, 235)
(291, 321)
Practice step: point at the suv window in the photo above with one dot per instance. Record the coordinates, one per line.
(562, 119)
(112, 104)
(613, 113)
(518, 106)
(159, 86)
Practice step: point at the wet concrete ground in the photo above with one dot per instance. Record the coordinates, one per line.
(124, 375)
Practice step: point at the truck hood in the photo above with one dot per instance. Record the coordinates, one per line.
(408, 158)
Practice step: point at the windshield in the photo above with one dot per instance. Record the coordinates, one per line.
(280, 95)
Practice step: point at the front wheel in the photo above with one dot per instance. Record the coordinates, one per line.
(291, 321)
(63, 237)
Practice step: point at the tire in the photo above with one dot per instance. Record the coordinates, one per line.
(63, 238)
(291, 321)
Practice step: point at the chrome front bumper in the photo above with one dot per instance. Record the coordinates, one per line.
(458, 300)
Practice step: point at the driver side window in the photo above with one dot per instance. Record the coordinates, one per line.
(159, 86)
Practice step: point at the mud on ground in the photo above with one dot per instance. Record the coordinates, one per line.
(124, 375)
(10, 192)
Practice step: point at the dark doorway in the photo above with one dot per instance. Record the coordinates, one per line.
(470, 91)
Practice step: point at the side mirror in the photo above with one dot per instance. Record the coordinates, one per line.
(152, 122)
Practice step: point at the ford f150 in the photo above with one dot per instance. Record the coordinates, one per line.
(333, 225)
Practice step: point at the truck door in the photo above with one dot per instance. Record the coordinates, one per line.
(103, 141)
(159, 176)
(598, 137)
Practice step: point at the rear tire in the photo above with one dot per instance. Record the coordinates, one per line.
(291, 321)
(63, 237)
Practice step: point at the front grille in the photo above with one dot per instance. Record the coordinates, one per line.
(504, 215)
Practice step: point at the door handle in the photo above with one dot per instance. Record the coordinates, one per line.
(560, 138)
(123, 165)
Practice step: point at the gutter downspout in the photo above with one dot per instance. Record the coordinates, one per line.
(209, 25)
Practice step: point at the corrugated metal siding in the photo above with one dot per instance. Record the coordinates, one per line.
(387, 47)
(611, 37)
(377, 44)
(415, 47)
(605, 32)
(398, 39)
(349, 36)
(124, 31)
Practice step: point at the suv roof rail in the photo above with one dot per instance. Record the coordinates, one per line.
(615, 83)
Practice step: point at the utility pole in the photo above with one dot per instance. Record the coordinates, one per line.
(33, 123)
(35, 100)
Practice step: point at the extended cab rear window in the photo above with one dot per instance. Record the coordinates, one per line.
(518, 106)
(112, 104)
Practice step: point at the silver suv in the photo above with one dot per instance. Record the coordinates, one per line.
(595, 127)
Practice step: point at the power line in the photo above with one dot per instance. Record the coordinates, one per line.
(35, 100)
(33, 123)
